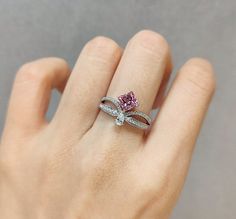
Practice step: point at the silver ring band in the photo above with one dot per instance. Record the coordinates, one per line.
(134, 118)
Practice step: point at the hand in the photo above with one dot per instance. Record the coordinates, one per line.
(80, 164)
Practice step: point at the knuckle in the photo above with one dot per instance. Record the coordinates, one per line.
(30, 72)
(103, 41)
(153, 188)
(102, 48)
(60, 62)
(152, 42)
(199, 73)
(7, 165)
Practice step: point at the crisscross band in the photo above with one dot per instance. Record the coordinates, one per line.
(122, 110)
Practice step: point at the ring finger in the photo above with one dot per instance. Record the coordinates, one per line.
(141, 70)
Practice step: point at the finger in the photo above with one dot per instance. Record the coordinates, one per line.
(176, 128)
(141, 69)
(164, 83)
(31, 92)
(89, 81)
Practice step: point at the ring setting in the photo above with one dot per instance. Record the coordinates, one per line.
(123, 109)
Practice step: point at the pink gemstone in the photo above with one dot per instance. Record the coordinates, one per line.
(128, 101)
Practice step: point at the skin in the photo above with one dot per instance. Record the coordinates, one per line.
(80, 165)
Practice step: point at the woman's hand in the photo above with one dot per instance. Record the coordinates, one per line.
(80, 164)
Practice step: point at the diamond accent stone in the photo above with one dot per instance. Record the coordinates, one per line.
(128, 101)
(120, 119)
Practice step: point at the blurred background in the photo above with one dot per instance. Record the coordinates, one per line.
(32, 29)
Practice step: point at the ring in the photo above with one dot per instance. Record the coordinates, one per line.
(122, 110)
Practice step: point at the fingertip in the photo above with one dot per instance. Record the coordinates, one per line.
(200, 73)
